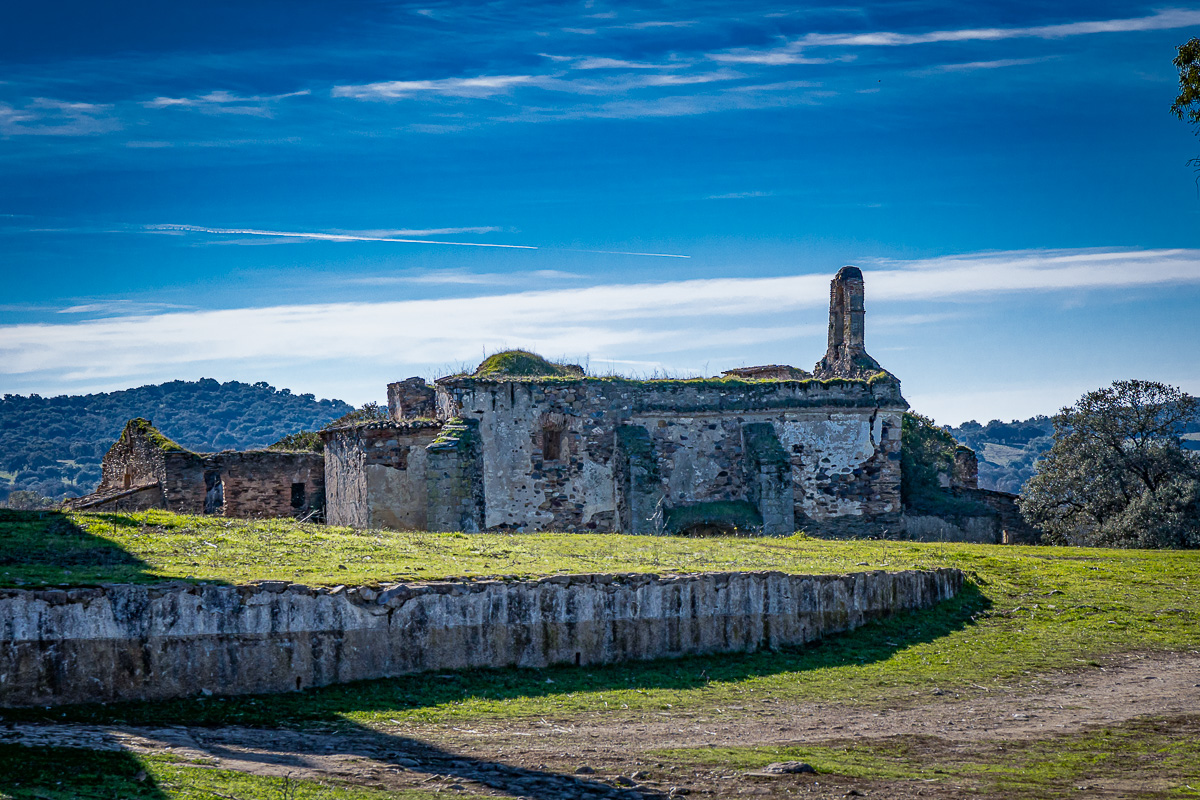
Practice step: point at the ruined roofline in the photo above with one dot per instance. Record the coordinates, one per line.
(414, 424)
(457, 381)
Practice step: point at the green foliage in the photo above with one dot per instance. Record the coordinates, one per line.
(926, 450)
(368, 413)
(25, 500)
(303, 441)
(1025, 611)
(1187, 61)
(54, 445)
(1117, 474)
(522, 363)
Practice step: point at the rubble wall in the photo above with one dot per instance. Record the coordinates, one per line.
(375, 475)
(126, 642)
(841, 437)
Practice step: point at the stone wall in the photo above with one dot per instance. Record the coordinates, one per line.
(977, 530)
(411, 399)
(553, 458)
(376, 475)
(124, 642)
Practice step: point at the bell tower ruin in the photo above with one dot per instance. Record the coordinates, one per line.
(846, 355)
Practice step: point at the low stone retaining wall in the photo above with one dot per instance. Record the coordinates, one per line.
(125, 642)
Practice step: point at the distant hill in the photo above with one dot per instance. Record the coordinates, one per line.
(53, 445)
(1007, 450)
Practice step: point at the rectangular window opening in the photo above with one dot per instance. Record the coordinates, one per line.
(551, 443)
(297, 495)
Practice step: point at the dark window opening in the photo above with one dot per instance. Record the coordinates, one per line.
(401, 459)
(551, 443)
(297, 495)
(214, 493)
(577, 659)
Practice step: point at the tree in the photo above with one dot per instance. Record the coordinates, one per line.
(1187, 104)
(1117, 474)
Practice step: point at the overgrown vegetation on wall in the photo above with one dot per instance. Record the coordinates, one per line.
(53, 445)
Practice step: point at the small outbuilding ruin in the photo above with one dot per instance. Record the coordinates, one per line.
(144, 469)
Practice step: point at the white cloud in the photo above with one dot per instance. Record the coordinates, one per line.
(481, 86)
(997, 64)
(617, 322)
(48, 117)
(223, 102)
(343, 236)
(792, 52)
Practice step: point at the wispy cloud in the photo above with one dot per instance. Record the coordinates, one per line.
(47, 117)
(356, 236)
(999, 63)
(222, 102)
(480, 86)
(398, 236)
(620, 322)
(792, 51)
(115, 308)
(485, 86)
(739, 195)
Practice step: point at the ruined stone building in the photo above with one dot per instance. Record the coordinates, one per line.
(145, 469)
(525, 444)
(522, 444)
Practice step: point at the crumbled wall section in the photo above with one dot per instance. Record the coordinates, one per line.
(840, 437)
(454, 482)
(122, 642)
(411, 399)
(257, 483)
(376, 474)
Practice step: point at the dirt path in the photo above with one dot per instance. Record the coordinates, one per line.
(539, 759)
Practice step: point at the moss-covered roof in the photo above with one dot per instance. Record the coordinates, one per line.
(153, 435)
(522, 363)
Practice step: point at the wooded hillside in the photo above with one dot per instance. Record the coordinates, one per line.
(53, 445)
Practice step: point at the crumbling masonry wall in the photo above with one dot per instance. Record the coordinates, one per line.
(840, 440)
(376, 475)
(124, 642)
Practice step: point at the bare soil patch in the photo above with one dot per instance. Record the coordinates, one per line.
(614, 753)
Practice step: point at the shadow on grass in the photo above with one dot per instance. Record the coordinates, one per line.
(51, 773)
(45, 548)
(327, 707)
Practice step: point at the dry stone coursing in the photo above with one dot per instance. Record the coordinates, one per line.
(124, 642)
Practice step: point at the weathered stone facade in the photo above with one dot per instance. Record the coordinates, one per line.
(125, 642)
(377, 475)
(767, 449)
(144, 469)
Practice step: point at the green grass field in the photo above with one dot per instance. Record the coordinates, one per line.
(1024, 610)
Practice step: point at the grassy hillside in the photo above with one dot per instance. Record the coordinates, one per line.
(53, 445)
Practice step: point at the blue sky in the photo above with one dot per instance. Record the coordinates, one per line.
(333, 196)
